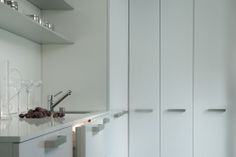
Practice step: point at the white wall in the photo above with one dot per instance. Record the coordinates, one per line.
(23, 54)
(81, 67)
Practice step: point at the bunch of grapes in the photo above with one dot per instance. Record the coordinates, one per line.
(39, 112)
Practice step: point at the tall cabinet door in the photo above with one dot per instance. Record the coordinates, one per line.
(144, 78)
(213, 45)
(118, 55)
(117, 140)
(176, 77)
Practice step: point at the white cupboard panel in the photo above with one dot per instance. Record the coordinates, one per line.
(176, 78)
(144, 54)
(118, 54)
(176, 52)
(36, 147)
(144, 134)
(214, 27)
(177, 133)
(144, 78)
(212, 46)
(90, 140)
(212, 138)
(117, 137)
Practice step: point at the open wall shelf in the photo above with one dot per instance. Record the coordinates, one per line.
(17, 23)
(52, 4)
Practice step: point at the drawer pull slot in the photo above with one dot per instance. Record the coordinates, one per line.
(176, 110)
(143, 110)
(217, 110)
(98, 128)
(55, 143)
(120, 114)
(106, 120)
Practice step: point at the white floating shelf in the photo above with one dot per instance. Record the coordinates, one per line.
(52, 4)
(17, 23)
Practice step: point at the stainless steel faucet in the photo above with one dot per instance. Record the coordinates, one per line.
(52, 103)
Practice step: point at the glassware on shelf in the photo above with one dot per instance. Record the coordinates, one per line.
(4, 90)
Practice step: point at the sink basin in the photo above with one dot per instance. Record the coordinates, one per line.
(78, 112)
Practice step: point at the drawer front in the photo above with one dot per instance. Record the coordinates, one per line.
(56, 144)
(90, 140)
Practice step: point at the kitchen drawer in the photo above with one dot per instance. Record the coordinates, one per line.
(90, 140)
(56, 144)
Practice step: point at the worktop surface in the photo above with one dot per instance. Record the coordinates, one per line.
(20, 130)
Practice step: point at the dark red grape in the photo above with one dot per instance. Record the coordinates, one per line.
(28, 115)
(31, 111)
(40, 112)
(55, 115)
(38, 109)
(21, 115)
(61, 114)
(49, 113)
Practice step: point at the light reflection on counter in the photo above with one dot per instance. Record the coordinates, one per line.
(23, 126)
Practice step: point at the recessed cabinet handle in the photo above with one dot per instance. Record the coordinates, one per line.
(176, 110)
(217, 110)
(106, 120)
(143, 110)
(55, 143)
(120, 114)
(98, 128)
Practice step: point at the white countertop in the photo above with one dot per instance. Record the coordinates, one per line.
(20, 130)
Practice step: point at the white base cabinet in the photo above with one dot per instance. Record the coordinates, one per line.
(59, 144)
(90, 140)
(117, 137)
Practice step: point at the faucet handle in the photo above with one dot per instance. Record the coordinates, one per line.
(55, 95)
(69, 92)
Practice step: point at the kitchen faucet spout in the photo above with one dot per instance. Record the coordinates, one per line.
(53, 104)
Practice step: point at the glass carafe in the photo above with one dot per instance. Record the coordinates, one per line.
(4, 90)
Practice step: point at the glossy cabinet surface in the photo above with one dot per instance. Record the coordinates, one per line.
(117, 129)
(144, 79)
(116, 137)
(182, 78)
(90, 140)
(213, 86)
(118, 55)
(37, 147)
(176, 78)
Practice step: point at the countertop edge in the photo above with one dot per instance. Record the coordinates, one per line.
(20, 139)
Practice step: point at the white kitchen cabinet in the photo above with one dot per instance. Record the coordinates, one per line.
(117, 133)
(118, 55)
(116, 136)
(144, 79)
(213, 85)
(170, 88)
(56, 144)
(212, 134)
(195, 87)
(176, 78)
(91, 140)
